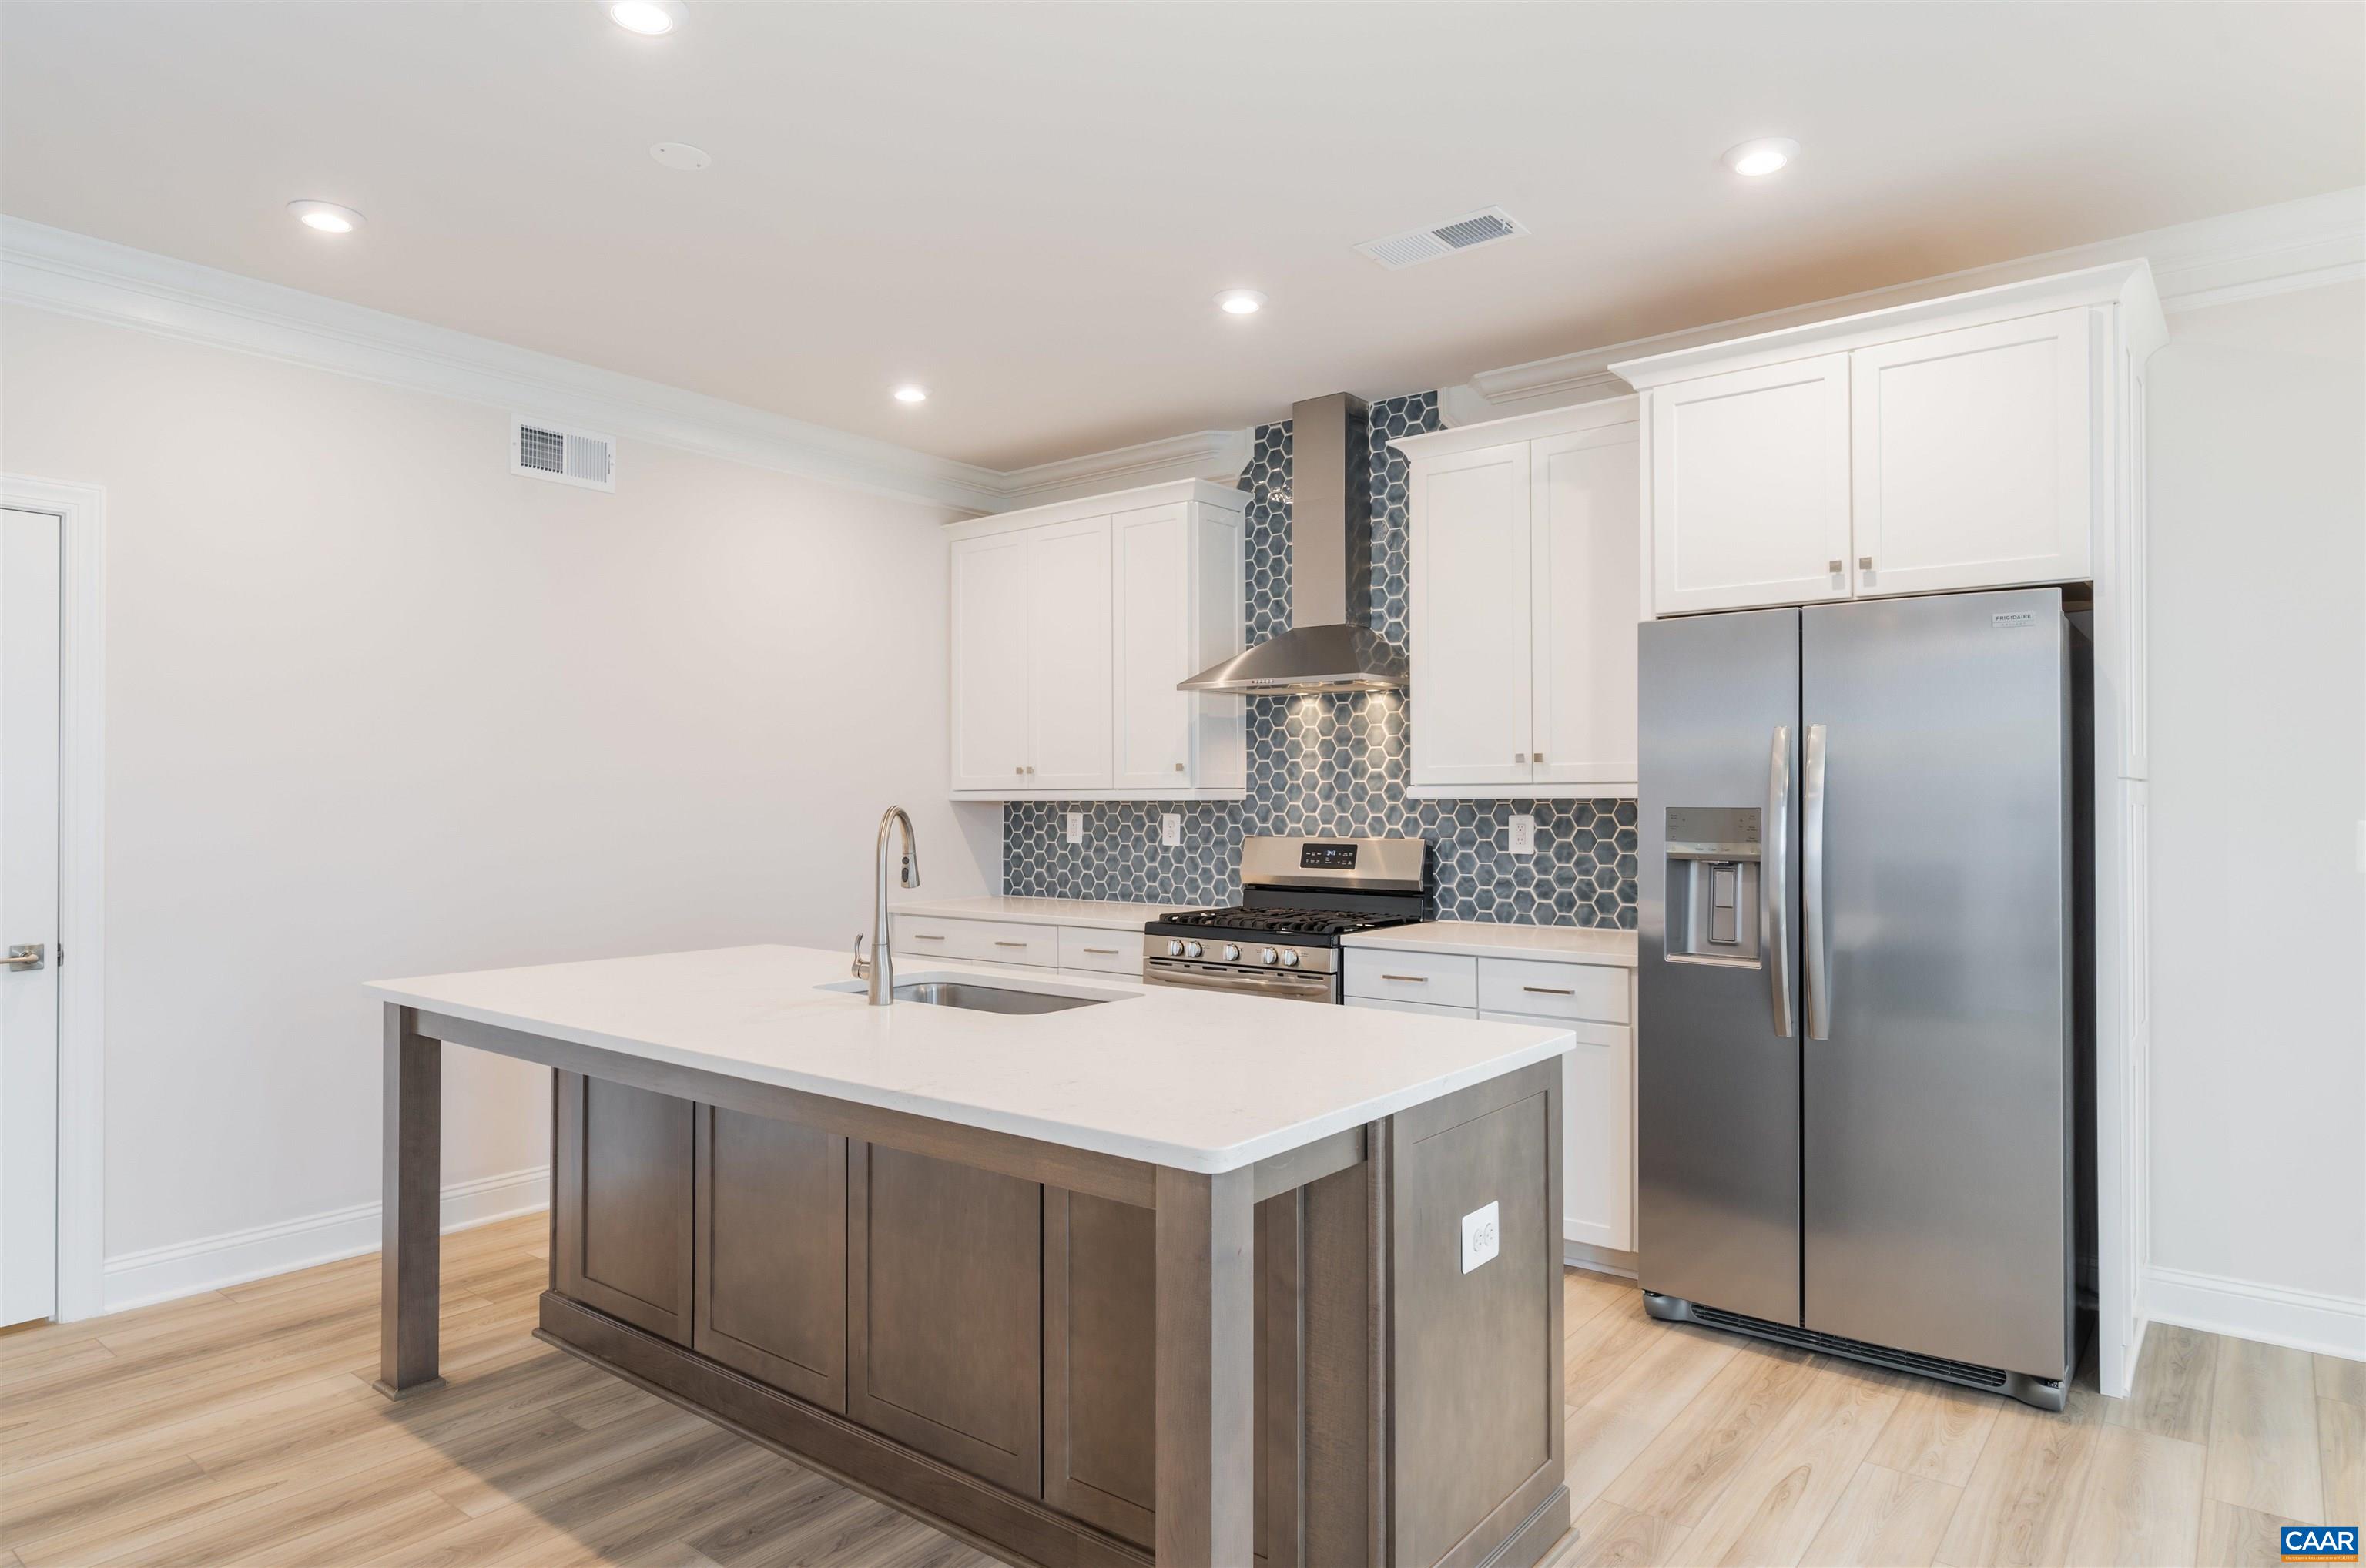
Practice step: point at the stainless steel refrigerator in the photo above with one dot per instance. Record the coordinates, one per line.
(1858, 999)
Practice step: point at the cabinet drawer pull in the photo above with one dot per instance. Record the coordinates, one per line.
(1110, 950)
(1415, 980)
(926, 936)
(1550, 990)
(1011, 944)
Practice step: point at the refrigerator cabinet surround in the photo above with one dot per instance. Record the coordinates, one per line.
(1891, 1181)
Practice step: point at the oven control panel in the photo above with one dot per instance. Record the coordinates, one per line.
(1333, 855)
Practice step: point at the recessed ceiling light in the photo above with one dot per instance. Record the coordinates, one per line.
(1240, 301)
(911, 394)
(651, 19)
(327, 217)
(681, 155)
(1763, 156)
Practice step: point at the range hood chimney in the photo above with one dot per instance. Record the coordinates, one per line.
(1330, 646)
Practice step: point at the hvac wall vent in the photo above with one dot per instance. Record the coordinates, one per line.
(1417, 245)
(543, 451)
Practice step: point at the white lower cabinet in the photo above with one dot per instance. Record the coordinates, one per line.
(1597, 1151)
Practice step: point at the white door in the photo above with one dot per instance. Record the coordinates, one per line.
(1471, 651)
(1972, 456)
(1069, 655)
(1151, 564)
(1588, 540)
(28, 915)
(1750, 487)
(989, 662)
(1597, 1158)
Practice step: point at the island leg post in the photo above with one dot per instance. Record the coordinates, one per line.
(1206, 1392)
(409, 1263)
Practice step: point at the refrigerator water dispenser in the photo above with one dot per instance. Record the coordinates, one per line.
(1712, 885)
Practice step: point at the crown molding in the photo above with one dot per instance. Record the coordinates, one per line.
(74, 275)
(1202, 454)
(2241, 255)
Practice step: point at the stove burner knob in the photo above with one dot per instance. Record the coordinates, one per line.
(1232, 954)
(1289, 958)
(1190, 950)
(1266, 955)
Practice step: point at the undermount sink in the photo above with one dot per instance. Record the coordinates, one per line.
(988, 998)
(943, 990)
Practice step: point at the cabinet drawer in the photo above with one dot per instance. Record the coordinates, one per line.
(989, 942)
(1427, 1009)
(1111, 952)
(1444, 980)
(1589, 992)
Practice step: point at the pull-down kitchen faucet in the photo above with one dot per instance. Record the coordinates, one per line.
(880, 967)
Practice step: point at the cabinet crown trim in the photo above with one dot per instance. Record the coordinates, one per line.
(2120, 283)
(1598, 415)
(1207, 492)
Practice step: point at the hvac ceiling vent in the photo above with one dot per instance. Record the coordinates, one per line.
(543, 451)
(1466, 233)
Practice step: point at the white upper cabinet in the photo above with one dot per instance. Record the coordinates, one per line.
(989, 661)
(1970, 451)
(1586, 551)
(1071, 627)
(1069, 655)
(1970, 442)
(1471, 676)
(1750, 487)
(1525, 582)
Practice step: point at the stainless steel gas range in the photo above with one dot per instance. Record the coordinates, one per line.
(1299, 898)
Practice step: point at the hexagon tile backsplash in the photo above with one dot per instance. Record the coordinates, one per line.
(1334, 764)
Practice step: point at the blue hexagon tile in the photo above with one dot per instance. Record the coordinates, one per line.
(1335, 764)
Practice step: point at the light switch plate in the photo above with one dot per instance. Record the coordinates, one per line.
(1170, 829)
(1482, 1236)
(1523, 835)
(1076, 827)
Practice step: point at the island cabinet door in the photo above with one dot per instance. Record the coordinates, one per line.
(944, 1304)
(623, 1203)
(771, 1252)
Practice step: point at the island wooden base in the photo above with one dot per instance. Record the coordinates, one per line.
(960, 1505)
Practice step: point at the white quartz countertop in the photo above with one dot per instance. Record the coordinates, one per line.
(1193, 1079)
(1492, 939)
(1104, 913)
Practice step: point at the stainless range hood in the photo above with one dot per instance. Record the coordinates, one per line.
(1330, 646)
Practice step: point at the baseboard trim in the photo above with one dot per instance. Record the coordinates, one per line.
(2301, 1320)
(1598, 1259)
(185, 1269)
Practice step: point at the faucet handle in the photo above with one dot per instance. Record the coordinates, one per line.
(860, 968)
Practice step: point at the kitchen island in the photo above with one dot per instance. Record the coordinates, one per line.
(1160, 1276)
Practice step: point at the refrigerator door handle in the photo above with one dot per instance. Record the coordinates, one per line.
(1819, 935)
(1774, 879)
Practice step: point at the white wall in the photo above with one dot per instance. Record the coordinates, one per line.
(2258, 484)
(377, 708)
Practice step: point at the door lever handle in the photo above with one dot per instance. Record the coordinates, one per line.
(28, 955)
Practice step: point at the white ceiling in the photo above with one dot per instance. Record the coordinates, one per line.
(1027, 207)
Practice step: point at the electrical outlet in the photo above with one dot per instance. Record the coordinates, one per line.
(1076, 827)
(1482, 1236)
(1523, 835)
(1170, 829)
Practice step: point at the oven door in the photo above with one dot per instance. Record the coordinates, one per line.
(1287, 985)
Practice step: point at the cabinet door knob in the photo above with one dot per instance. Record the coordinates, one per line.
(1865, 563)
(1019, 770)
(1535, 756)
(1519, 756)
(1179, 767)
(1836, 567)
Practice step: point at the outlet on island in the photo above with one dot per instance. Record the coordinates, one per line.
(1483, 1234)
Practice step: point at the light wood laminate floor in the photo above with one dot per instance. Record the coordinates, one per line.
(239, 1427)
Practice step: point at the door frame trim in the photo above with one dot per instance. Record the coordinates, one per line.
(81, 510)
